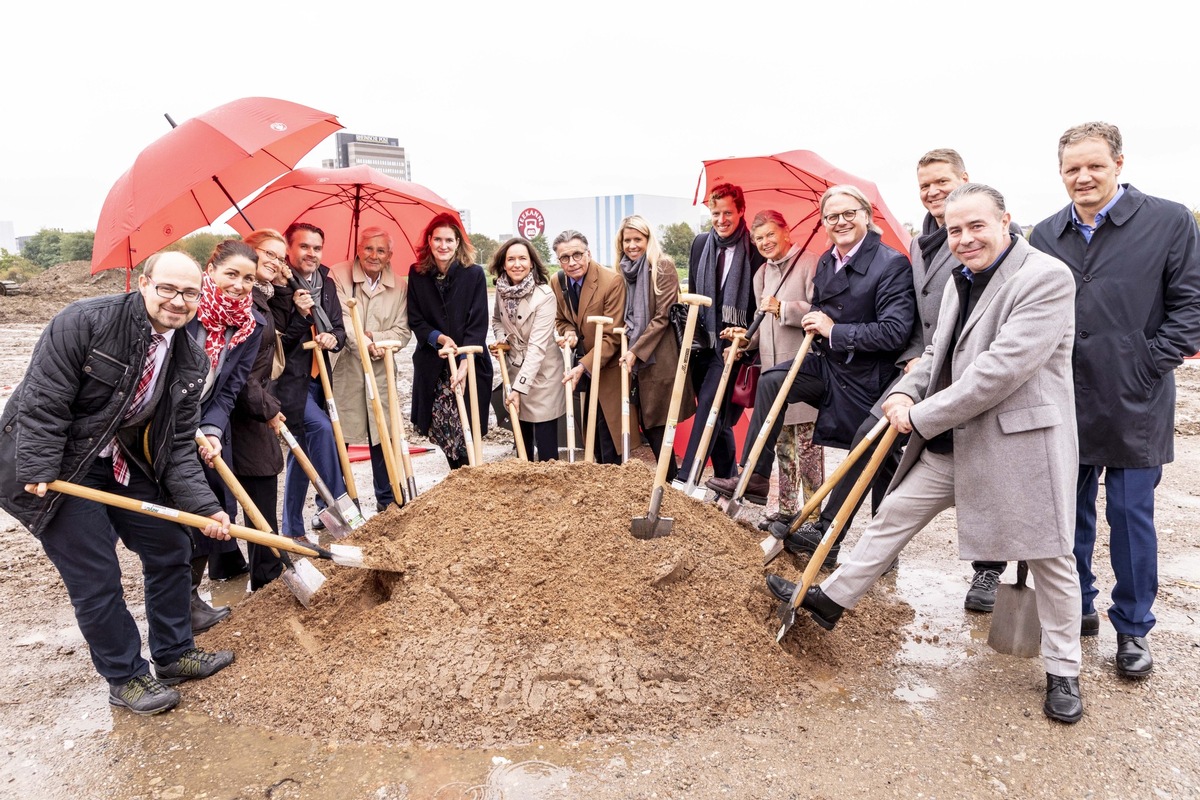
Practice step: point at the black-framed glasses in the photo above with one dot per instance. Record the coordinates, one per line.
(568, 258)
(848, 216)
(271, 257)
(170, 292)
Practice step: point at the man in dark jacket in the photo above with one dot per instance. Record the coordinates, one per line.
(1137, 316)
(313, 306)
(721, 266)
(863, 308)
(111, 400)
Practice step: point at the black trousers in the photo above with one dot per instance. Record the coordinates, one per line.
(706, 368)
(263, 491)
(541, 439)
(80, 541)
(655, 437)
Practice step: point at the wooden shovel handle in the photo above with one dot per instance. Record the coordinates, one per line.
(239, 491)
(334, 421)
(181, 517)
(381, 424)
(849, 461)
(665, 453)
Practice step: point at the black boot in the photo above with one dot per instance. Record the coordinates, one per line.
(203, 615)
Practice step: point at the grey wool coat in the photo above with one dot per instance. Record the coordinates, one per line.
(1010, 402)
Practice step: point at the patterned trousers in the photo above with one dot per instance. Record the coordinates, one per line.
(801, 468)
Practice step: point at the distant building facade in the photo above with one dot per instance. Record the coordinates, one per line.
(597, 218)
(381, 152)
(8, 237)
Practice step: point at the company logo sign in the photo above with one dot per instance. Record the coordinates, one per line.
(531, 223)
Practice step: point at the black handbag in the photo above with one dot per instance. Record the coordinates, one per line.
(677, 315)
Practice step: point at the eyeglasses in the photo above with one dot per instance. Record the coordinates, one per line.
(848, 216)
(568, 258)
(170, 292)
(271, 257)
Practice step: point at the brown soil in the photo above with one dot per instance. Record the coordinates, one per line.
(44, 295)
(526, 611)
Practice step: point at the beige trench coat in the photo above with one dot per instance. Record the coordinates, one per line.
(384, 314)
(779, 338)
(534, 361)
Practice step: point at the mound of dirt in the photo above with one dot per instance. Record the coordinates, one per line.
(526, 611)
(44, 295)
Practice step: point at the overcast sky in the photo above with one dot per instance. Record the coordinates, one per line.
(502, 101)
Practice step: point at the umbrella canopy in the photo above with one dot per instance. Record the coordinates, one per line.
(194, 173)
(792, 183)
(342, 202)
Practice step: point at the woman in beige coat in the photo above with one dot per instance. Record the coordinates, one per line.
(784, 288)
(651, 288)
(381, 298)
(524, 319)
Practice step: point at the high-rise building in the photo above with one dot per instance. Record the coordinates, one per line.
(382, 153)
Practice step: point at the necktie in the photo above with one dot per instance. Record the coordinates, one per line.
(720, 268)
(575, 296)
(140, 395)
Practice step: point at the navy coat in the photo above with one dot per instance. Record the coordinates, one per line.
(464, 317)
(872, 305)
(1137, 316)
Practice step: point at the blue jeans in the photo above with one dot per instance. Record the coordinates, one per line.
(1133, 543)
(80, 542)
(319, 445)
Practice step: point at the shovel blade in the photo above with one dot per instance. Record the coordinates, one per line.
(1015, 629)
(771, 547)
(304, 580)
(334, 524)
(350, 512)
(691, 490)
(651, 527)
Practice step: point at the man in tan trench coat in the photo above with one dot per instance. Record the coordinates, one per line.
(991, 412)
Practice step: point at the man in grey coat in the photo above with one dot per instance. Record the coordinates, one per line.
(1137, 271)
(994, 388)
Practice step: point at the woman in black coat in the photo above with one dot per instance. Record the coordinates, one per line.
(447, 308)
(258, 459)
(229, 330)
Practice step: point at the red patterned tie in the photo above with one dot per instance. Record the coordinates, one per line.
(120, 467)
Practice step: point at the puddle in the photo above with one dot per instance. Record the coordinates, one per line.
(915, 693)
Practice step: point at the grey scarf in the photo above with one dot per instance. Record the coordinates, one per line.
(312, 284)
(735, 294)
(637, 299)
(511, 295)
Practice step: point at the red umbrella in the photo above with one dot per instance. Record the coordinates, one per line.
(194, 173)
(792, 183)
(342, 202)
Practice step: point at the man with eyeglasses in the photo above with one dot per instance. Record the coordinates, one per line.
(111, 401)
(585, 289)
(862, 316)
(312, 313)
(721, 265)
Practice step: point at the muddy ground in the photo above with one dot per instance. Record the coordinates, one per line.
(923, 708)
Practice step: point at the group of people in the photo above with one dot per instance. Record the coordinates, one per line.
(1052, 365)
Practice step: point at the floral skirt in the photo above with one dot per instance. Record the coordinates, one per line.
(446, 428)
(801, 468)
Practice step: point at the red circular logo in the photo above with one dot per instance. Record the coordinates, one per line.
(531, 223)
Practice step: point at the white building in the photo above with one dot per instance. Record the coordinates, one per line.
(8, 236)
(597, 218)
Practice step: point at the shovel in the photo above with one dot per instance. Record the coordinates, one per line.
(735, 502)
(381, 425)
(787, 611)
(341, 554)
(399, 438)
(500, 349)
(341, 515)
(303, 581)
(652, 525)
(589, 448)
(331, 407)
(451, 355)
(624, 397)
(470, 351)
(773, 545)
(1016, 630)
(567, 390)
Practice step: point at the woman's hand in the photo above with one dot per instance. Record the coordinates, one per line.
(770, 305)
(628, 361)
(572, 376)
(513, 402)
(209, 453)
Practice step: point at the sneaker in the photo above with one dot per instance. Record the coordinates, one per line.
(143, 695)
(982, 594)
(194, 663)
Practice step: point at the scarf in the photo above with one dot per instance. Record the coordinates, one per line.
(637, 300)
(267, 290)
(312, 284)
(735, 295)
(511, 295)
(217, 312)
(931, 239)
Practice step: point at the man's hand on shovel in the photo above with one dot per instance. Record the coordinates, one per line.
(218, 528)
(895, 410)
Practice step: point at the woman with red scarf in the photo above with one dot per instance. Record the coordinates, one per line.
(228, 328)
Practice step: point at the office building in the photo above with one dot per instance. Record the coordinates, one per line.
(381, 152)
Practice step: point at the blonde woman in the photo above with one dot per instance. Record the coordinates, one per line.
(651, 288)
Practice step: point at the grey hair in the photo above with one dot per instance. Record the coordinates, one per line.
(567, 236)
(768, 215)
(372, 232)
(857, 194)
(1109, 134)
(971, 189)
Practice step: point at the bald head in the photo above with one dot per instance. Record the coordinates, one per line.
(163, 284)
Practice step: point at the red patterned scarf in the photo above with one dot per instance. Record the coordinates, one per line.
(219, 311)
